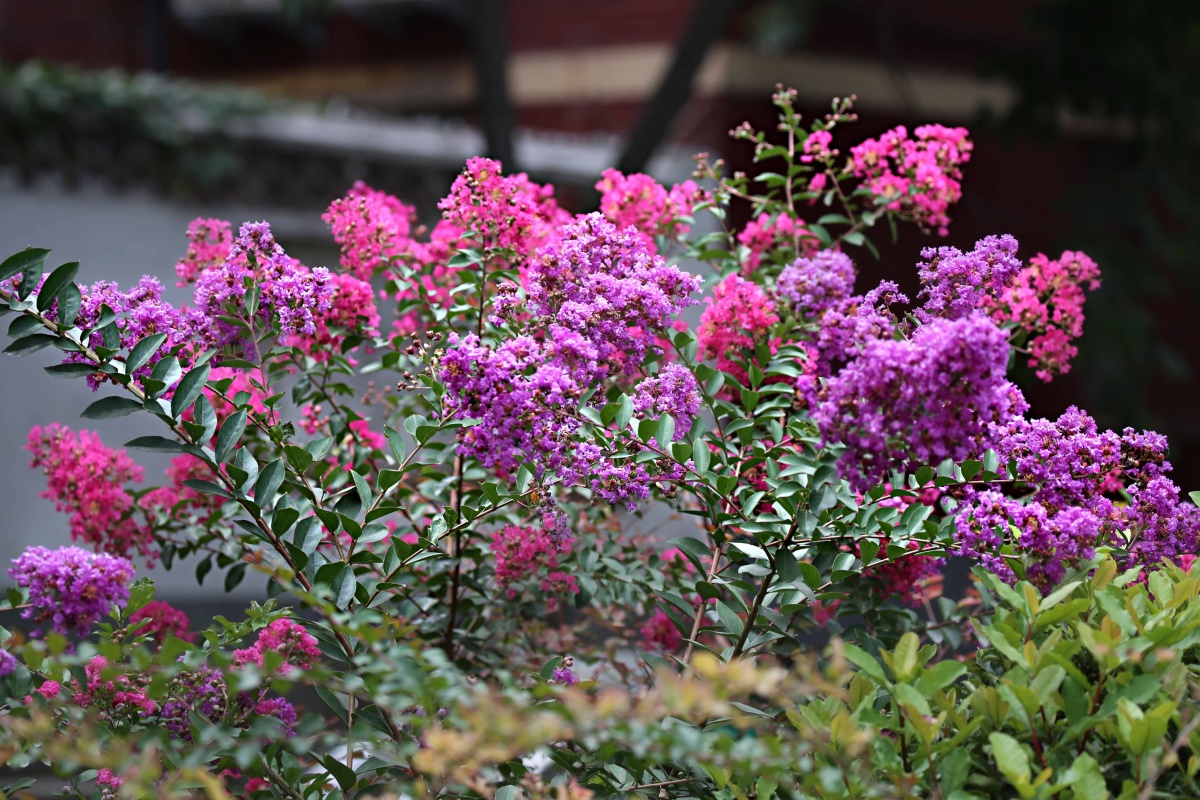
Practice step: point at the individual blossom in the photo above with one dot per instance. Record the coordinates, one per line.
(69, 587)
(163, 620)
(290, 295)
(1045, 302)
(766, 236)
(955, 284)
(510, 212)
(209, 242)
(918, 401)
(817, 284)
(738, 316)
(639, 201)
(562, 673)
(372, 227)
(673, 391)
(297, 646)
(87, 479)
(8, 664)
(919, 176)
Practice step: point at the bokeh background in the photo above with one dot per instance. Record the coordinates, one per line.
(121, 120)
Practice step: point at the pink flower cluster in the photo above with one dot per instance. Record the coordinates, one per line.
(372, 227)
(639, 201)
(511, 212)
(739, 315)
(776, 237)
(1046, 302)
(163, 619)
(209, 242)
(919, 176)
(521, 553)
(286, 637)
(86, 479)
(71, 588)
(351, 312)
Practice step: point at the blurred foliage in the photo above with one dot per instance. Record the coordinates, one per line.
(84, 122)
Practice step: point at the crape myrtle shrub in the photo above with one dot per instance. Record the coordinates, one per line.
(454, 562)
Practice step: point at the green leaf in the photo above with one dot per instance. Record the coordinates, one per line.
(154, 444)
(283, 519)
(268, 483)
(866, 662)
(190, 387)
(309, 535)
(111, 407)
(140, 593)
(207, 487)
(55, 281)
(235, 575)
(23, 326)
(227, 438)
(1011, 759)
(344, 775)
(70, 370)
(167, 370)
(700, 454)
(1087, 779)
(343, 586)
(364, 491)
(624, 412)
(69, 301)
(939, 676)
(395, 443)
(729, 618)
(30, 257)
(30, 344)
(904, 658)
(143, 351)
(664, 432)
(298, 457)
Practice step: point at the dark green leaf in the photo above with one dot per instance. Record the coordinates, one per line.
(234, 576)
(55, 281)
(30, 344)
(24, 325)
(30, 257)
(143, 351)
(69, 301)
(154, 444)
(71, 370)
(110, 407)
(343, 586)
(229, 435)
(190, 387)
(268, 483)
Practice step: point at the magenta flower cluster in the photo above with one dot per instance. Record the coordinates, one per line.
(372, 227)
(1046, 302)
(919, 176)
(69, 587)
(296, 646)
(86, 479)
(673, 391)
(640, 202)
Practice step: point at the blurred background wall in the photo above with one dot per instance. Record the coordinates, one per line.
(120, 120)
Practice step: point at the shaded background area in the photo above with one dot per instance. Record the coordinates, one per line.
(1083, 116)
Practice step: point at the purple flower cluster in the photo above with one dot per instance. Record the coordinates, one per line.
(955, 284)
(599, 298)
(290, 293)
(8, 664)
(603, 294)
(1073, 466)
(141, 312)
(70, 587)
(202, 691)
(673, 391)
(918, 401)
(1048, 540)
(844, 331)
(817, 284)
